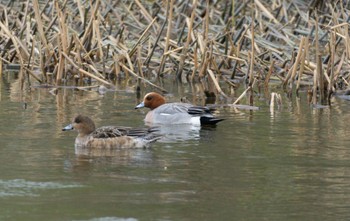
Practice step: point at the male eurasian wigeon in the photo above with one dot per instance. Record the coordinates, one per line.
(109, 137)
(175, 113)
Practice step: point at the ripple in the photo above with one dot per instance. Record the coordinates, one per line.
(21, 187)
(112, 219)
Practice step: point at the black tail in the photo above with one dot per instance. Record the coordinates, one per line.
(210, 120)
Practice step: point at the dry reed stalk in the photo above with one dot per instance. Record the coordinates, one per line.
(145, 13)
(317, 71)
(0, 67)
(205, 59)
(216, 83)
(252, 53)
(28, 35)
(203, 42)
(195, 60)
(169, 14)
(81, 11)
(347, 40)
(53, 21)
(233, 14)
(30, 72)
(6, 17)
(148, 59)
(320, 79)
(40, 26)
(185, 49)
(206, 25)
(291, 74)
(133, 49)
(21, 78)
(143, 79)
(330, 88)
(85, 72)
(302, 63)
(93, 68)
(216, 79)
(245, 92)
(42, 60)
(117, 68)
(139, 63)
(230, 57)
(269, 73)
(97, 37)
(88, 28)
(62, 45)
(14, 41)
(267, 40)
(77, 55)
(340, 65)
(131, 14)
(267, 12)
(129, 61)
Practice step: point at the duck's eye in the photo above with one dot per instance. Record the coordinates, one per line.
(149, 98)
(77, 120)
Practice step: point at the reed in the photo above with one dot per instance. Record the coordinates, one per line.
(215, 43)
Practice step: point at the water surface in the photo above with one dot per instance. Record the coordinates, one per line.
(290, 164)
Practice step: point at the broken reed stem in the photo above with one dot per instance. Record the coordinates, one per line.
(97, 37)
(233, 14)
(292, 73)
(0, 67)
(62, 45)
(148, 59)
(169, 17)
(88, 28)
(275, 97)
(203, 42)
(216, 83)
(330, 89)
(320, 78)
(40, 26)
(144, 11)
(251, 65)
(14, 41)
(185, 49)
(302, 63)
(81, 11)
(268, 76)
(317, 70)
(83, 33)
(245, 92)
(340, 65)
(195, 60)
(141, 78)
(139, 63)
(85, 72)
(134, 48)
(266, 11)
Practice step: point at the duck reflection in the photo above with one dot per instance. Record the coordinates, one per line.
(172, 133)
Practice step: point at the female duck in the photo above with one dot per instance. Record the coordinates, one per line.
(109, 137)
(175, 113)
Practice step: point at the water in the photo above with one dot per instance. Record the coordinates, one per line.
(292, 164)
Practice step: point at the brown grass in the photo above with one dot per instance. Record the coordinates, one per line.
(294, 42)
